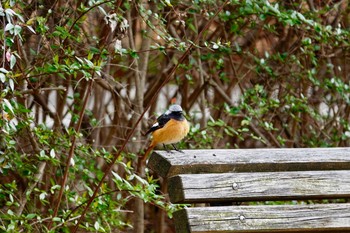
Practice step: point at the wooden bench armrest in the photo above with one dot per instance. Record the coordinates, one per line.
(168, 164)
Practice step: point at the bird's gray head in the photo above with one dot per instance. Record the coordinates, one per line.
(175, 108)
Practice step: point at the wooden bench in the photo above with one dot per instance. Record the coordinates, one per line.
(309, 189)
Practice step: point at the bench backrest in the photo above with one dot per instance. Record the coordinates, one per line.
(247, 175)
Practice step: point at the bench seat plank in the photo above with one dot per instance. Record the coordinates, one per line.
(263, 218)
(168, 164)
(301, 185)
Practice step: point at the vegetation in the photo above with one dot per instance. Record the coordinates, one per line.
(81, 80)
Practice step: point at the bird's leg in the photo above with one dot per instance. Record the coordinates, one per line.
(166, 148)
(176, 148)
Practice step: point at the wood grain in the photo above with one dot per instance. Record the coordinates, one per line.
(257, 186)
(168, 164)
(268, 219)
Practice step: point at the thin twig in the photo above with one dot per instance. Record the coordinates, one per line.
(31, 91)
(37, 177)
(71, 151)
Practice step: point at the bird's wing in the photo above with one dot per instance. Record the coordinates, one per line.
(161, 121)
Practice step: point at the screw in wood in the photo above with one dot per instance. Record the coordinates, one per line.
(234, 186)
(241, 218)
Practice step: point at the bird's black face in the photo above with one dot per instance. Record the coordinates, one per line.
(177, 115)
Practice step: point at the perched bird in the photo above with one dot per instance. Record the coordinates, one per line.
(171, 127)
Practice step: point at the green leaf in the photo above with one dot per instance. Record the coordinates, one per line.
(11, 84)
(56, 219)
(17, 29)
(11, 198)
(42, 195)
(3, 70)
(97, 226)
(2, 77)
(30, 216)
(116, 176)
(52, 153)
(234, 110)
(9, 27)
(8, 105)
(55, 59)
(12, 61)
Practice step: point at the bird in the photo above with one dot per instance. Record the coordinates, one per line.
(169, 128)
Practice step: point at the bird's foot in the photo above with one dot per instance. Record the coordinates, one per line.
(167, 150)
(177, 149)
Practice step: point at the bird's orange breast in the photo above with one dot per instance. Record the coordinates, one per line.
(172, 132)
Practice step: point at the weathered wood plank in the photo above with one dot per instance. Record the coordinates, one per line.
(249, 160)
(281, 218)
(258, 186)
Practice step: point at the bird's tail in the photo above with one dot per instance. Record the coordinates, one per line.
(142, 159)
(148, 151)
